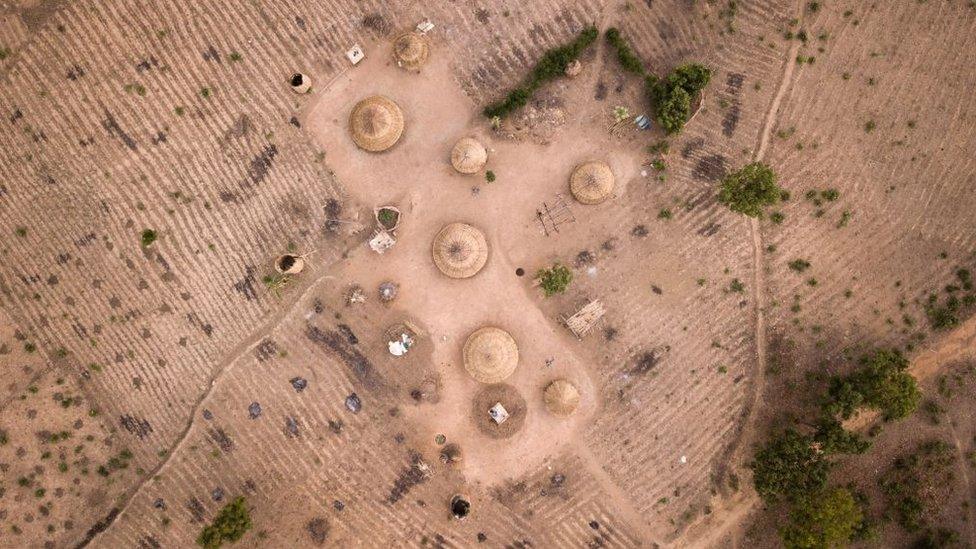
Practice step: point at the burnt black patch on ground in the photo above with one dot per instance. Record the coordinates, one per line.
(113, 129)
(265, 350)
(219, 437)
(408, 478)
(711, 168)
(136, 426)
(338, 344)
(731, 119)
(260, 165)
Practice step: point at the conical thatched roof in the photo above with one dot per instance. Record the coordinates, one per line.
(591, 182)
(410, 50)
(490, 354)
(562, 398)
(468, 155)
(460, 250)
(376, 123)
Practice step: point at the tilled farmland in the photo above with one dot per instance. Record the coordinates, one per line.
(155, 163)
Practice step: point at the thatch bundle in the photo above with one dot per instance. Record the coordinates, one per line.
(410, 51)
(562, 398)
(460, 250)
(376, 123)
(468, 155)
(490, 354)
(591, 182)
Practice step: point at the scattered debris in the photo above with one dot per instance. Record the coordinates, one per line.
(388, 291)
(299, 383)
(355, 295)
(382, 241)
(353, 403)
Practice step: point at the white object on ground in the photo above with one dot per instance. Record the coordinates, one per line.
(381, 242)
(399, 347)
(498, 413)
(425, 26)
(684, 459)
(355, 54)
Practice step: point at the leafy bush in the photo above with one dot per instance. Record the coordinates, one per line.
(915, 484)
(229, 525)
(628, 60)
(882, 383)
(671, 97)
(148, 237)
(827, 519)
(750, 189)
(834, 439)
(791, 466)
(555, 280)
(552, 64)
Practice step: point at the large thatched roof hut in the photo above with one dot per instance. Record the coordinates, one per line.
(490, 354)
(468, 155)
(591, 182)
(460, 250)
(376, 123)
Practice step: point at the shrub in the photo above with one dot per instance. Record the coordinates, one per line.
(628, 60)
(828, 519)
(148, 237)
(789, 466)
(882, 383)
(490, 176)
(834, 439)
(552, 64)
(555, 280)
(750, 189)
(915, 484)
(230, 525)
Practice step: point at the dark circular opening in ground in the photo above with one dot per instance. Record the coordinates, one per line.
(519, 272)
(460, 507)
(286, 262)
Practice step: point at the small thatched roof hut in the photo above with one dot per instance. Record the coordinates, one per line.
(460, 250)
(591, 182)
(410, 51)
(376, 123)
(562, 398)
(468, 155)
(490, 354)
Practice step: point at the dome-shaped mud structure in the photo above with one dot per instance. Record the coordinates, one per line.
(460, 250)
(468, 155)
(591, 182)
(376, 123)
(490, 355)
(562, 398)
(410, 51)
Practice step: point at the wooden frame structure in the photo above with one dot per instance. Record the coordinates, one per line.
(551, 216)
(584, 319)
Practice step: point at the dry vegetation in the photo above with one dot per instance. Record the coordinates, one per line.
(157, 369)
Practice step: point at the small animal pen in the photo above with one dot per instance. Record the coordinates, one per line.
(584, 319)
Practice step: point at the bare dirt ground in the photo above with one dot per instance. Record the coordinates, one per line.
(177, 118)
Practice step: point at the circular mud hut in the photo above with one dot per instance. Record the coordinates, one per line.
(468, 155)
(460, 250)
(376, 123)
(411, 51)
(490, 354)
(492, 395)
(591, 182)
(562, 398)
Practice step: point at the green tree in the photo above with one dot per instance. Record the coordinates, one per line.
(628, 60)
(790, 465)
(554, 280)
(671, 97)
(230, 525)
(834, 439)
(824, 520)
(750, 189)
(881, 382)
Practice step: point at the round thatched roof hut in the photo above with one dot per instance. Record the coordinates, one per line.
(562, 398)
(376, 123)
(490, 354)
(410, 51)
(591, 182)
(460, 250)
(468, 155)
